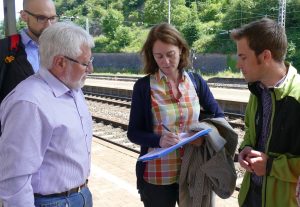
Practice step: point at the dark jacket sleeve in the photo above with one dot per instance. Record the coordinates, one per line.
(16, 71)
(140, 128)
(207, 100)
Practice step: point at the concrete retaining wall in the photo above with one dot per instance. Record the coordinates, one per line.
(207, 63)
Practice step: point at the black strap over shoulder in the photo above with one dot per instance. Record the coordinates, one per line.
(4, 45)
(9, 47)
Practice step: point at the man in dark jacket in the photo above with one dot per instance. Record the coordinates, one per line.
(38, 15)
(270, 152)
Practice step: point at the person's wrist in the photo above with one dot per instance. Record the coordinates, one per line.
(160, 141)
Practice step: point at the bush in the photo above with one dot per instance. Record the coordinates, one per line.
(101, 43)
(231, 63)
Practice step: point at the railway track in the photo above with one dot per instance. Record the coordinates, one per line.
(236, 120)
(121, 105)
(112, 100)
(238, 83)
(114, 132)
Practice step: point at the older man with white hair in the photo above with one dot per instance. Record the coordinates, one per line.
(46, 128)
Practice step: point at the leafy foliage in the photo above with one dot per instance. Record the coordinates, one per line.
(2, 30)
(122, 25)
(111, 21)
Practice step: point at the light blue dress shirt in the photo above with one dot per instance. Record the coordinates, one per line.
(31, 49)
(45, 146)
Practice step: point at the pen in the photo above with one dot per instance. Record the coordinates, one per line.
(166, 128)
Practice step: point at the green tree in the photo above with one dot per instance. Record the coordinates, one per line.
(292, 29)
(139, 37)
(124, 36)
(2, 34)
(130, 6)
(155, 12)
(190, 27)
(64, 6)
(211, 12)
(180, 15)
(112, 21)
(21, 24)
(101, 43)
(122, 25)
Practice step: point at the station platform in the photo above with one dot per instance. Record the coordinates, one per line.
(239, 95)
(113, 182)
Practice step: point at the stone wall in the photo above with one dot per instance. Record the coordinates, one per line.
(210, 63)
(205, 63)
(117, 61)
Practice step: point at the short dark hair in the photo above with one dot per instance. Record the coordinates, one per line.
(264, 34)
(167, 34)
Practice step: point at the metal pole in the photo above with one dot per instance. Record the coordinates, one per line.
(282, 12)
(169, 16)
(87, 26)
(9, 17)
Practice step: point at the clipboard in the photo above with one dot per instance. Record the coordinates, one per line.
(160, 152)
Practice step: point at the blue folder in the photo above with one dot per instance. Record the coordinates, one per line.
(160, 152)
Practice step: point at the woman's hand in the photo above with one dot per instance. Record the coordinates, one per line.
(168, 139)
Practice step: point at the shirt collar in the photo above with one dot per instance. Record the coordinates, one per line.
(280, 81)
(160, 75)
(26, 39)
(277, 84)
(58, 87)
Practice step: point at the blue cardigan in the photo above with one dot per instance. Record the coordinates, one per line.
(140, 128)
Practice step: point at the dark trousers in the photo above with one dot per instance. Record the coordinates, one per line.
(159, 195)
(253, 198)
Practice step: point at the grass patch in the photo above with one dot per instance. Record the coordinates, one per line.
(229, 73)
(223, 74)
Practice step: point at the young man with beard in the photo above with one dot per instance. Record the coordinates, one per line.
(46, 128)
(38, 15)
(270, 152)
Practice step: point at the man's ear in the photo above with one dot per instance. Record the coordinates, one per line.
(267, 55)
(59, 64)
(24, 15)
(58, 61)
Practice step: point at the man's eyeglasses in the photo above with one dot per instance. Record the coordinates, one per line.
(84, 64)
(43, 19)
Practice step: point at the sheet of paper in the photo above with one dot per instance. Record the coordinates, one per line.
(160, 152)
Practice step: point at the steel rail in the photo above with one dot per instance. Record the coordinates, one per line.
(124, 126)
